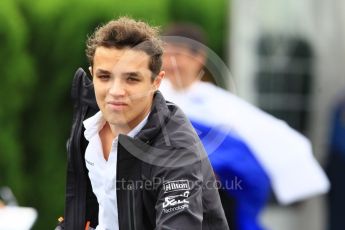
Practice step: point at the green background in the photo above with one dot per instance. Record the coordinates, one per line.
(42, 43)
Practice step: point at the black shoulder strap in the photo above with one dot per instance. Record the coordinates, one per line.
(82, 90)
(80, 200)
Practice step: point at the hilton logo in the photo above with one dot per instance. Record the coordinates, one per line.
(176, 185)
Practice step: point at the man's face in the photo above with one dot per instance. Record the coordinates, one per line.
(182, 66)
(123, 85)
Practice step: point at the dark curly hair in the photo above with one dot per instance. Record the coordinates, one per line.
(128, 33)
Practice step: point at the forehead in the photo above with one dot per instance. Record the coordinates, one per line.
(177, 48)
(112, 59)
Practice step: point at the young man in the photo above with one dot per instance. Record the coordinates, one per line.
(141, 165)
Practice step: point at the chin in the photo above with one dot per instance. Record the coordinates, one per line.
(118, 122)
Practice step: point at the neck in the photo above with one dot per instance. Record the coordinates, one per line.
(180, 85)
(184, 87)
(116, 130)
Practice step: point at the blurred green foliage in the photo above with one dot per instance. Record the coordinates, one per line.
(41, 45)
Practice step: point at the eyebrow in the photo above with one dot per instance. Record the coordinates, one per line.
(132, 73)
(125, 74)
(101, 71)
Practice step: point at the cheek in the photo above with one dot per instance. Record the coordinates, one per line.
(141, 98)
(100, 96)
(99, 88)
(140, 92)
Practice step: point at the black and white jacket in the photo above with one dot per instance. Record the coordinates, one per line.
(164, 178)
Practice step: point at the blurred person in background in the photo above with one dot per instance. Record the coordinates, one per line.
(10, 212)
(134, 160)
(336, 166)
(7, 197)
(244, 143)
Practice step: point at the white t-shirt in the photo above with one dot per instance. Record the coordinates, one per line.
(102, 173)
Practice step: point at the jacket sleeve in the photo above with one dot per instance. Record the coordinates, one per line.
(179, 197)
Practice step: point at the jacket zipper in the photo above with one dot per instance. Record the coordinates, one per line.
(131, 206)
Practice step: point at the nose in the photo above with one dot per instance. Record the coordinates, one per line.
(117, 88)
(169, 61)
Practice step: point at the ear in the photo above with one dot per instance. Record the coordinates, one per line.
(90, 70)
(157, 81)
(201, 58)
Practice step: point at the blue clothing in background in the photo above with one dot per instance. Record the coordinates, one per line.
(337, 143)
(336, 168)
(239, 172)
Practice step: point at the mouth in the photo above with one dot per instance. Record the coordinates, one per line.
(117, 106)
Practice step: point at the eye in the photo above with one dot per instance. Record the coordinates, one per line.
(132, 79)
(103, 77)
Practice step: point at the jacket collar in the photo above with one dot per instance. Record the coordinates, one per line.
(158, 117)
